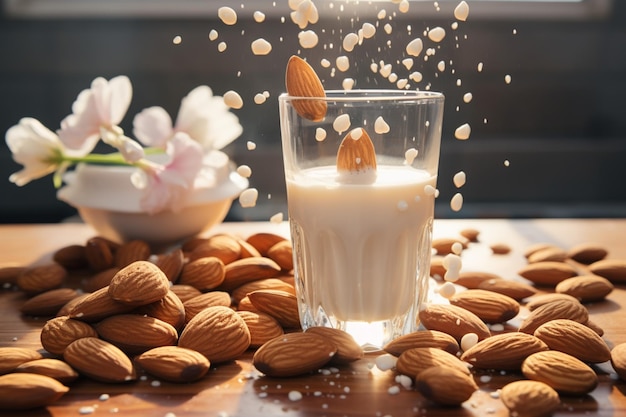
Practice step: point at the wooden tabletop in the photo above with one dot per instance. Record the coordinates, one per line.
(360, 389)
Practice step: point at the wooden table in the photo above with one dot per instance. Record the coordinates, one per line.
(361, 389)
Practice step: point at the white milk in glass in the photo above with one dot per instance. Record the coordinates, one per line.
(360, 243)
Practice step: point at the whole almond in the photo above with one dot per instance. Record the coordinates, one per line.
(413, 361)
(71, 257)
(134, 333)
(138, 284)
(293, 354)
(246, 270)
(219, 333)
(263, 241)
(551, 254)
(575, 339)
(470, 234)
(282, 254)
(547, 298)
(263, 327)
(174, 363)
(100, 253)
(437, 269)
(204, 273)
(99, 360)
(453, 320)
(54, 368)
(564, 309)
(247, 250)
(530, 398)
(100, 279)
(59, 332)
(12, 357)
(97, 306)
(500, 248)
(563, 372)
(171, 263)
(348, 350)
(587, 253)
(514, 289)
(185, 292)
(261, 284)
(504, 351)
(281, 305)
(489, 306)
(301, 82)
(209, 299)
(618, 360)
(223, 246)
(38, 279)
(586, 288)
(169, 309)
(10, 273)
(443, 245)
(472, 279)
(67, 307)
(48, 303)
(131, 251)
(535, 247)
(446, 386)
(22, 391)
(612, 269)
(547, 273)
(422, 338)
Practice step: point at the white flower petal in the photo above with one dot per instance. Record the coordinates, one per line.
(153, 127)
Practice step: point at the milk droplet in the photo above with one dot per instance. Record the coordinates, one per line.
(294, 395)
(454, 26)
(461, 11)
(414, 48)
(308, 39)
(341, 123)
(456, 203)
(416, 76)
(468, 340)
(507, 163)
(403, 7)
(222, 46)
(480, 67)
(388, 28)
(385, 70)
(258, 16)
(259, 98)
(348, 83)
(385, 361)
(369, 30)
(244, 170)
(402, 83)
(437, 34)
(457, 248)
(507, 79)
(393, 77)
(233, 100)
(227, 15)
(382, 13)
(408, 63)
(467, 97)
(374, 67)
(250, 145)
(325, 63)
(447, 290)
(350, 41)
(213, 35)
(410, 155)
(320, 134)
(248, 197)
(463, 132)
(356, 133)
(343, 63)
(177, 40)
(276, 218)
(261, 47)
(459, 179)
(381, 126)
(441, 66)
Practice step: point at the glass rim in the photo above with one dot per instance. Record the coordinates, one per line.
(368, 94)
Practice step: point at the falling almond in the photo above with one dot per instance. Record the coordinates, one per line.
(356, 153)
(302, 81)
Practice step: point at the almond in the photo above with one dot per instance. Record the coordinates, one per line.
(618, 360)
(59, 332)
(169, 309)
(21, 391)
(100, 253)
(246, 270)
(500, 248)
(54, 368)
(247, 250)
(535, 247)
(504, 351)
(71, 257)
(246, 305)
(97, 306)
(263, 327)
(12, 357)
(348, 350)
(224, 247)
(413, 361)
(572, 310)
(446, 386)
(261, 284)
(10, 273)
(99, 360)
(436, 267)
(443, 245)
(547, 273)
(174, 363)
(185, 292)
(293, 354)
(530, 398)
(563, 372)
(282, 254)
(100, 279)
(281, 305)
(203, 273)
(489, 306)
(514, 289)
(470, 234)
(587, 253)
(301, 82)
(586, 288)
(134, 333)
(575, 339)
(453, 320)
(263, 241)
(171, 263)
(541, 299)
(67, 307)
(139, 283)
(210, 299)
(612, 269)
(422, 338)
(356, 153)
(550, 254)
(218, 332)
(38, 279)
(472, 279)
(48, 303)
(131, 251)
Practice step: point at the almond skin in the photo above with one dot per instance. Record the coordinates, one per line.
(12, 357)
(208, 299)
(489, 306)
(99, 360)
(134, 333)
(453, 320)
(54, 368)
(541, 299)
(302, 81)
(445, 386)
(261, 284)
(586, 288)
(514, 289)
(22, 391)
(472, 279)
(348, 350)
(547, 273)
(587, 253)
(263, 241)
(170, 309)
(59, 332)
(293, 354)
(222, 246)
(612, 269)
(97, 306)
(131, 251)
(185, 292)
(139, 283)
(552, 254)
(504, 351)
(38, 279)
(171, 263)
(246, 270)
(422, 338)
(564, 309)
(204, 273)
(174, 363)
(282, 254)
(100, 253)
(618, 360)
(71, 257)
(48, 303)
(575, 339)
(413, 361)
(530, 398)
(563, 372)
(281, 305)
(443, 245)
(263, 327)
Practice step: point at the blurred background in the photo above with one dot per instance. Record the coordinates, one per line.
(551, 143)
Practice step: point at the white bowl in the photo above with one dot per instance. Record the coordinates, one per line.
(107, 200)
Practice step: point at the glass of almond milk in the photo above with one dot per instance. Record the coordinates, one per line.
(361, 228)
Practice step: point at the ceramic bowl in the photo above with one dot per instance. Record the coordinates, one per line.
(106, 199)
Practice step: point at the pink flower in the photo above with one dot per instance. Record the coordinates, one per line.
(101, 107)
(168, 186)
(203, 116)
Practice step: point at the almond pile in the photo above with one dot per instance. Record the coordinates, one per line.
(118, 310)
